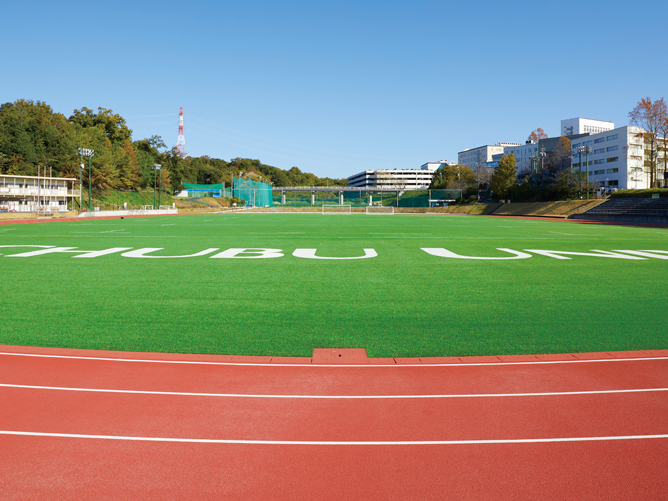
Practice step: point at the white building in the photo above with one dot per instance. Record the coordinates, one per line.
(522, 152)
(482, 155)
(32, 193)
(616, 158)
(574, 126)
(405, 179)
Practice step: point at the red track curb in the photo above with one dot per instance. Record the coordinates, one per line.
(28, 221)
(336, 356)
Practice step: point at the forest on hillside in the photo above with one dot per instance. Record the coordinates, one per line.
(32, 135)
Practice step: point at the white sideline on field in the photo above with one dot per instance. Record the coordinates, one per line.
(323, 442)
(332, 397)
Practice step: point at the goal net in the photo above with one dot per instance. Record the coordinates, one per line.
(385, 209)
(336, 209)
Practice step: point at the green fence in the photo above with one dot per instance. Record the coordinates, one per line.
(362, 198)
(253, 193)
(205, 190)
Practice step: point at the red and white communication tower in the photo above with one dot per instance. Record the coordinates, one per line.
(181, 142)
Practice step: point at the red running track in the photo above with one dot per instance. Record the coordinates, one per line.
(95, 427)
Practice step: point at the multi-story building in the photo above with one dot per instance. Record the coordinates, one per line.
(617, 158)
(574, 126)
(405, 179)
(525, 153)
(482, 155)
(33, 193)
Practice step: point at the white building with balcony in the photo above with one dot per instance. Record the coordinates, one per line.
(36, 194)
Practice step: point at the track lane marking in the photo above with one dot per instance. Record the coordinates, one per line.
(339, 397)
(317, 442)
(462, 364)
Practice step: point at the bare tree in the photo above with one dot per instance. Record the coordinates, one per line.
(663, 130)
(650, 116)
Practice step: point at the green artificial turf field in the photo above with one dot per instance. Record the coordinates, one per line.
(404, 302)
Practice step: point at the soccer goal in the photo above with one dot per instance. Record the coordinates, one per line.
(336, 209)
(380, 209)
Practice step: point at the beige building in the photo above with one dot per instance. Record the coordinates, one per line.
(36, 194)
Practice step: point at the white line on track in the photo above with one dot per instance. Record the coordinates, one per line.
(335, 397)
(322, 442)
(359, 366)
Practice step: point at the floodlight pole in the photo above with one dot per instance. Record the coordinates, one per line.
(580, 167)
(587, 162)
(157, 168)
(87, 152)
(81, 172)
(585, 150)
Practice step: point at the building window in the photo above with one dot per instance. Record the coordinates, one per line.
(612, 171)
(596, 152)
(614, 182)
(600, 161)
(597, 172)
(576, 145)
(612, 148)
(586, 143)
(599, 140)
(612, 138)
(576, 165)
(613, 159)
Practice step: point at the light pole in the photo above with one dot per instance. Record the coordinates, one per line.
(87, 152)
(156, 169)
(585, 150)
(81, 172)
(534, 169)
(580, 168)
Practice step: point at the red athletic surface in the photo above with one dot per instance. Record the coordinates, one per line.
(34, 467)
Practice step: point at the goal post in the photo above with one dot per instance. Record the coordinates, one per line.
(336, 209)
(380, 209)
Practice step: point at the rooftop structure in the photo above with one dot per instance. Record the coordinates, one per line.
(573, 126)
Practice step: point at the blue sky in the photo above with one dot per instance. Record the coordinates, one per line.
(338, 87)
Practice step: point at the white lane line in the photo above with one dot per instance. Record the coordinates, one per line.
(333, 442)
(198, 362)
(335, 397)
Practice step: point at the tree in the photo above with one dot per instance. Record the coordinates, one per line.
(31, 134)
(504, 177)
(555, 161)
(663, 140)
(112, 124)
(537, 134)
(567, 183)
(127, 166)
(454, 177)
(650, 116)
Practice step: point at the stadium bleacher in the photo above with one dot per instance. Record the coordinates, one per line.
(629, 209)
